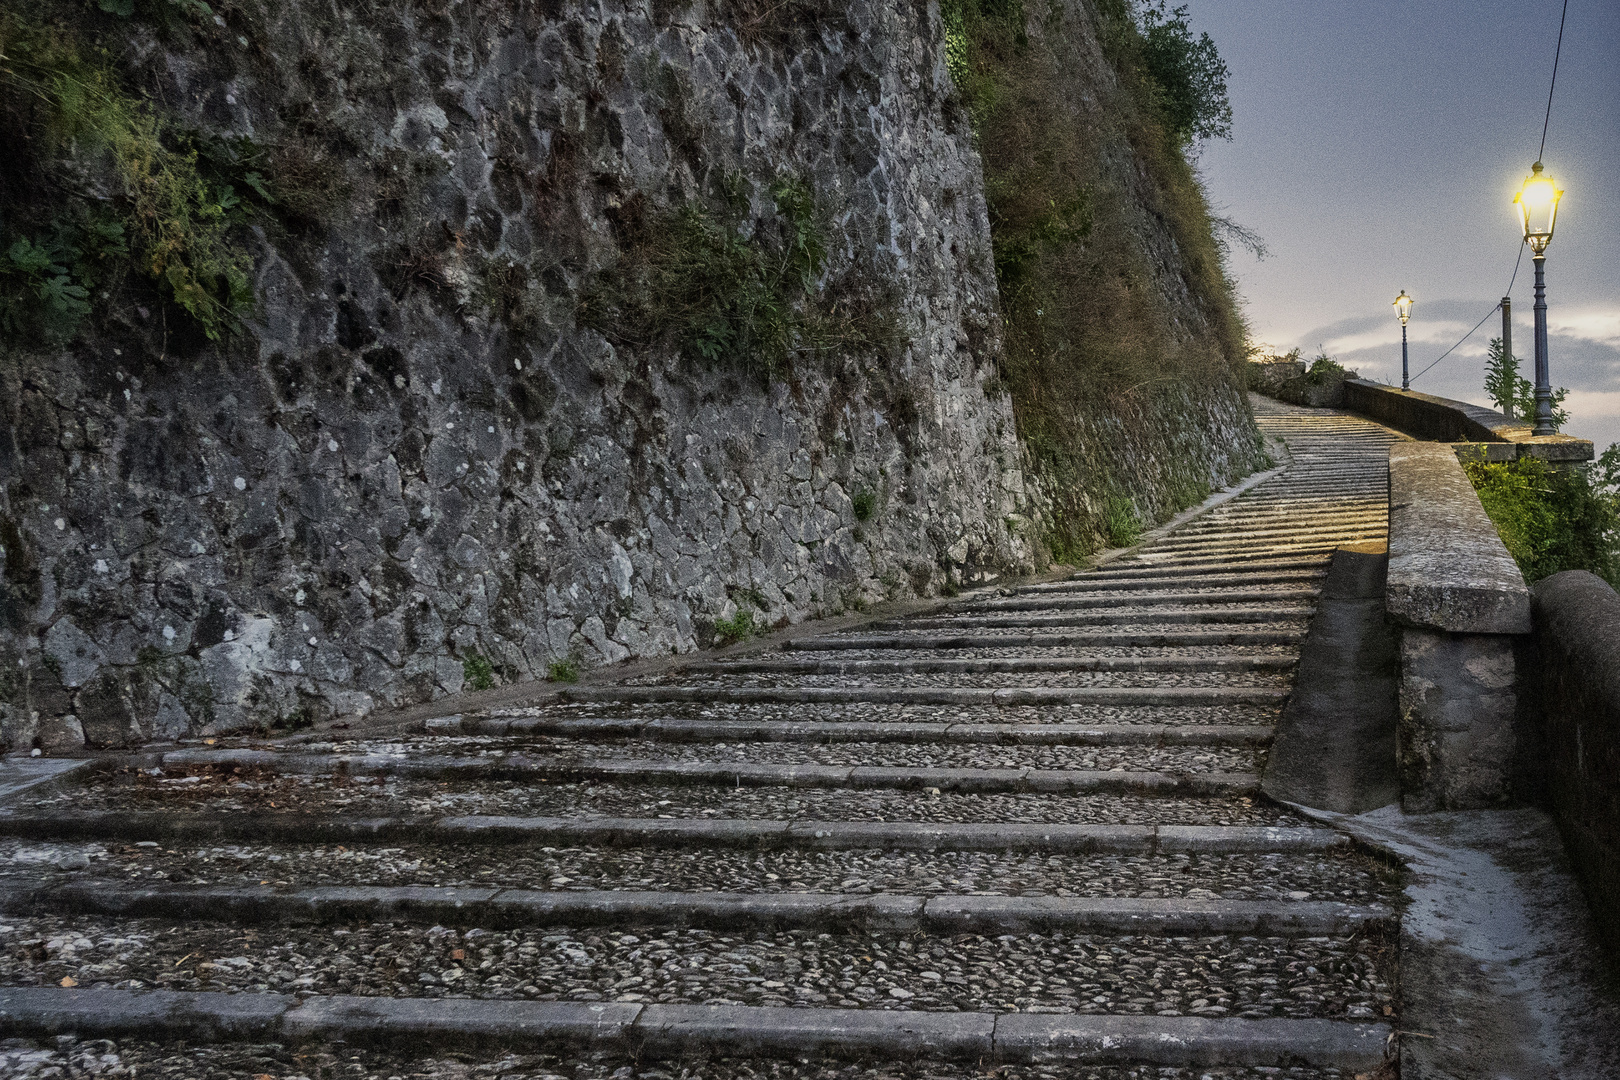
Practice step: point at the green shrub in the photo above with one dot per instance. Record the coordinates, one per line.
(864, 504)
(1553, 519)
(562, 671)
(740, 627)
(1514, 394)
(1188, 74)
(175, 202)
(1324, 369)
(478, 672)
(698, 279)
(1122, 526)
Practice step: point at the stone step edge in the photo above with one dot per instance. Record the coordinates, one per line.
(982, 639)
(993, 665)
(1076, 695)
(1084, 586)
(662, 1031)
(502, 908)
(739, 833)
(671, 730)
(728, 773)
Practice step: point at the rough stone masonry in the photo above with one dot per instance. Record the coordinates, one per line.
(423, 459)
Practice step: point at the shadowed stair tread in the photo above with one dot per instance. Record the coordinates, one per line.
(1117, 618)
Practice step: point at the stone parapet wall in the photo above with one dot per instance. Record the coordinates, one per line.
(1577, 703)
(1488, 435)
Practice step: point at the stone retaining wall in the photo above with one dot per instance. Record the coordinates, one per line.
(1576, 694)
(1490, 435)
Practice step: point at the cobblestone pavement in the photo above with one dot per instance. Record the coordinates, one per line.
(1216, 608)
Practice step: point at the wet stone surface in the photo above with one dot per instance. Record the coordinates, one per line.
(1204, 976)
(1341, 875)
(41, 1059)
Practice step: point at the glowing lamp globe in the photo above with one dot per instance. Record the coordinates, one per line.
(1403, 307)
(1537, 202)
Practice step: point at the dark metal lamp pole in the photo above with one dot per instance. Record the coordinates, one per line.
(1537, 202)
(1403, 310)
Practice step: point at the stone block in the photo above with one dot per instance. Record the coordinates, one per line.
(1448, 567)
(1459, 700)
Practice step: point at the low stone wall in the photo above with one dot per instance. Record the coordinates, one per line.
(1463, 607)
(1492, 435)
(1577, 660)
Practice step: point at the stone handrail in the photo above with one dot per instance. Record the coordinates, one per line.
(1425, 416)
(1577, 648)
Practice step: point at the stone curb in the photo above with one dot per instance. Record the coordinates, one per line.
(671, 1030)
(1167, 618)
(995, 664)
(821, 731)
(665, 832)
(498, 908)
(739, 774)
(1157, 638)
(1074, 695)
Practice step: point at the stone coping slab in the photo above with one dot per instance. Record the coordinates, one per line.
(1448, 567)
(663, 1031)
(1426, 416)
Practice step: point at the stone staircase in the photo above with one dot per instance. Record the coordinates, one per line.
(1019, 835)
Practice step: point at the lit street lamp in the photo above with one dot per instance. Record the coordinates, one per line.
(1403, 309)
(1537, 201)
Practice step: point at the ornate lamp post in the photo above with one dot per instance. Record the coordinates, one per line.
(1403, 310)
(1537, 202)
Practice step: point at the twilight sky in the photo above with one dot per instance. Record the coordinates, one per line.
(1377, 146)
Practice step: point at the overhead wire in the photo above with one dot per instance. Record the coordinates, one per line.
(1546, 119)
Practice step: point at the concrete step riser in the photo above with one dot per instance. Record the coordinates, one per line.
(674, 1031)
(1065, 603)
(505, 909)
(752, 834)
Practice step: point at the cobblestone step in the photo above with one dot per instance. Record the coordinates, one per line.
(527, 767)
(1199, 616)
(1338, 874)
(1078, 695)
(836, 731)
(1139, 599)
(1013, 639)
(930, 666)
